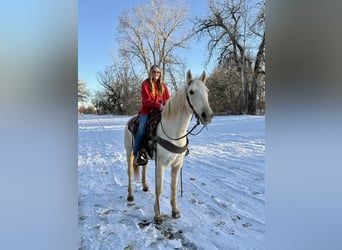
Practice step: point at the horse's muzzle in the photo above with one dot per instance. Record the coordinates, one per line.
(206, 117)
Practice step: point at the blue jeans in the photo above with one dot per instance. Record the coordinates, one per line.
(140, 133)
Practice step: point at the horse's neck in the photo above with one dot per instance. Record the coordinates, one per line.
(176, 116)
(176, 126)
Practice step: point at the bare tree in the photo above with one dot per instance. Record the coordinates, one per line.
(258, 82)
(120, 89)
(83, 92)
(153, 33)
(234, 44)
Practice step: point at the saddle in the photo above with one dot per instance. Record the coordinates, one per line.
(148, 144)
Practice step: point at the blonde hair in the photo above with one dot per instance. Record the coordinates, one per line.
(159, 82)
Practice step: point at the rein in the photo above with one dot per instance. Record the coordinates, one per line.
(197, 121)
(188, 133)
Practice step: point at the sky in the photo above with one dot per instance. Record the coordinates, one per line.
(97, 24)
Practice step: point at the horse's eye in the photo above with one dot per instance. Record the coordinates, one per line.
(191, 92)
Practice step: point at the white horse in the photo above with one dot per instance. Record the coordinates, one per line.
(191, 99)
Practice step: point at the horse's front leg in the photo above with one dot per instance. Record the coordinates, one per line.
(159, 175)
(144, 179)
(173, 199)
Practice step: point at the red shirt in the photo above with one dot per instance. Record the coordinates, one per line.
(152, 100)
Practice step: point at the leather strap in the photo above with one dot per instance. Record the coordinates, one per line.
(171, 147)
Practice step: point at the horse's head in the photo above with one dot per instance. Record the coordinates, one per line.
(197, 96)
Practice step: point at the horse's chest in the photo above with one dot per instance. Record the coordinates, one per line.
(174, 159)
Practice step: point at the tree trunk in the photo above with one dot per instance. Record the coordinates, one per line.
(253, 94)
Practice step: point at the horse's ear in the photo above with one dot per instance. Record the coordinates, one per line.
(188, 76)
(203, 76)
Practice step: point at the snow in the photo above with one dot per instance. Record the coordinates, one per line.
(223, 203)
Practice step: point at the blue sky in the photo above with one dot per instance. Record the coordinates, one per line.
(97, 24)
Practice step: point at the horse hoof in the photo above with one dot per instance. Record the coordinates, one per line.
(158, 219)
(130, 198)
(145, 189)
(176, 215)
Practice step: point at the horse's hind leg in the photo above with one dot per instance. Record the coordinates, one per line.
(129, 156)
(130, 196)
(173, 199)
(144, 179)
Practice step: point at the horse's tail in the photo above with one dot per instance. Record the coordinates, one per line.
(136, 172)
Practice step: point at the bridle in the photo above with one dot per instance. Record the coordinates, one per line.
(192, 107)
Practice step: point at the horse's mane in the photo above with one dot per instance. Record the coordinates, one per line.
(175, 104)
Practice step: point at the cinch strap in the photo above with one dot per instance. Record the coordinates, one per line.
(171, 147)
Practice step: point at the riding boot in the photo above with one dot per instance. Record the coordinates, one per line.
(141, 158)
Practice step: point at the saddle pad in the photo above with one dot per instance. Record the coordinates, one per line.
(133, 124)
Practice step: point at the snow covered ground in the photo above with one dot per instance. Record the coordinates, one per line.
(223, 204)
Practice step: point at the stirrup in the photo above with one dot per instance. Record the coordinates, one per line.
(141, 158)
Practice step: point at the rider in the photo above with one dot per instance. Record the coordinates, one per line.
(154, 94)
